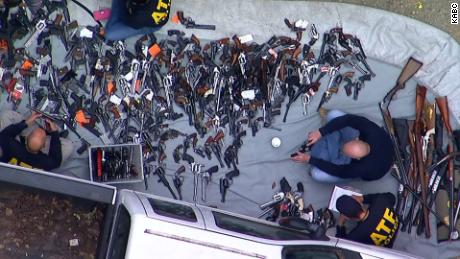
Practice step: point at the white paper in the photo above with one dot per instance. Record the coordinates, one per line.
(2, 71)
(85, 33)
(115, 99)
(337, 193)
(248, 94)
(302, 24)
(150, 95)
(246, 38)
(129, 76)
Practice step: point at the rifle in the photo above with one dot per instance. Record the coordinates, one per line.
(429, 115)
(420, 165)
(413, 180)
(444, 111)
(409, 70)
(402, 135)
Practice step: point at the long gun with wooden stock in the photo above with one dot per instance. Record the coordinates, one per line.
(432, 152)
(407, 73)
(444, 110)
(420, 165)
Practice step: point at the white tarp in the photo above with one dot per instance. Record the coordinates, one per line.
(388, 39)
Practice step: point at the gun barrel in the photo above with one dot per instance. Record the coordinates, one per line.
(277, 198)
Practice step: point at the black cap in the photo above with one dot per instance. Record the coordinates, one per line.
(348, 206)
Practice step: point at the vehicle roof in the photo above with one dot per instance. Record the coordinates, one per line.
(150, 228)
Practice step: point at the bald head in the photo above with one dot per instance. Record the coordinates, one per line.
(356, 149)
(36, 140)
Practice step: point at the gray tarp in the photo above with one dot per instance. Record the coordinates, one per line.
(388, 39)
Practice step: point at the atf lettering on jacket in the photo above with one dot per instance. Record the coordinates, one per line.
(15, 161)
(386, 229)
(161, 12)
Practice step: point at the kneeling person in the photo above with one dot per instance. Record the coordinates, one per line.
(348, 147)
(30, 151)
(377, 225)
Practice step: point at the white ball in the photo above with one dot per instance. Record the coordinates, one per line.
(276, 142)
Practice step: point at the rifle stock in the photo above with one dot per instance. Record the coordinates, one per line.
(419, 105)
(409, 70)
(443, 107)
(412, 66)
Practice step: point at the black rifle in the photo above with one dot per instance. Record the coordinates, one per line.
(402, 136)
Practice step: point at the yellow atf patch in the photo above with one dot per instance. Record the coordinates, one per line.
(161, 12)
(14, 161)
(158, 17)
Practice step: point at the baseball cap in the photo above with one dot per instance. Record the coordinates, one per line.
(348, 206)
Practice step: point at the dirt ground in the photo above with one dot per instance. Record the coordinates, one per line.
(433, 12)
(36, 224)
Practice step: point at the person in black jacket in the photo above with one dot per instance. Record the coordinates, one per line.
(377, 225)
(27, 151)
(132, 17)
(370, 154)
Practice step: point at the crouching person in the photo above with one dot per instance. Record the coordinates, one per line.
(377, 225)
(24, 145)
(346, 148)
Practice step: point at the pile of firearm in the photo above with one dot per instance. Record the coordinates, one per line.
(425, 166)
(128, 96)
(288, 203)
